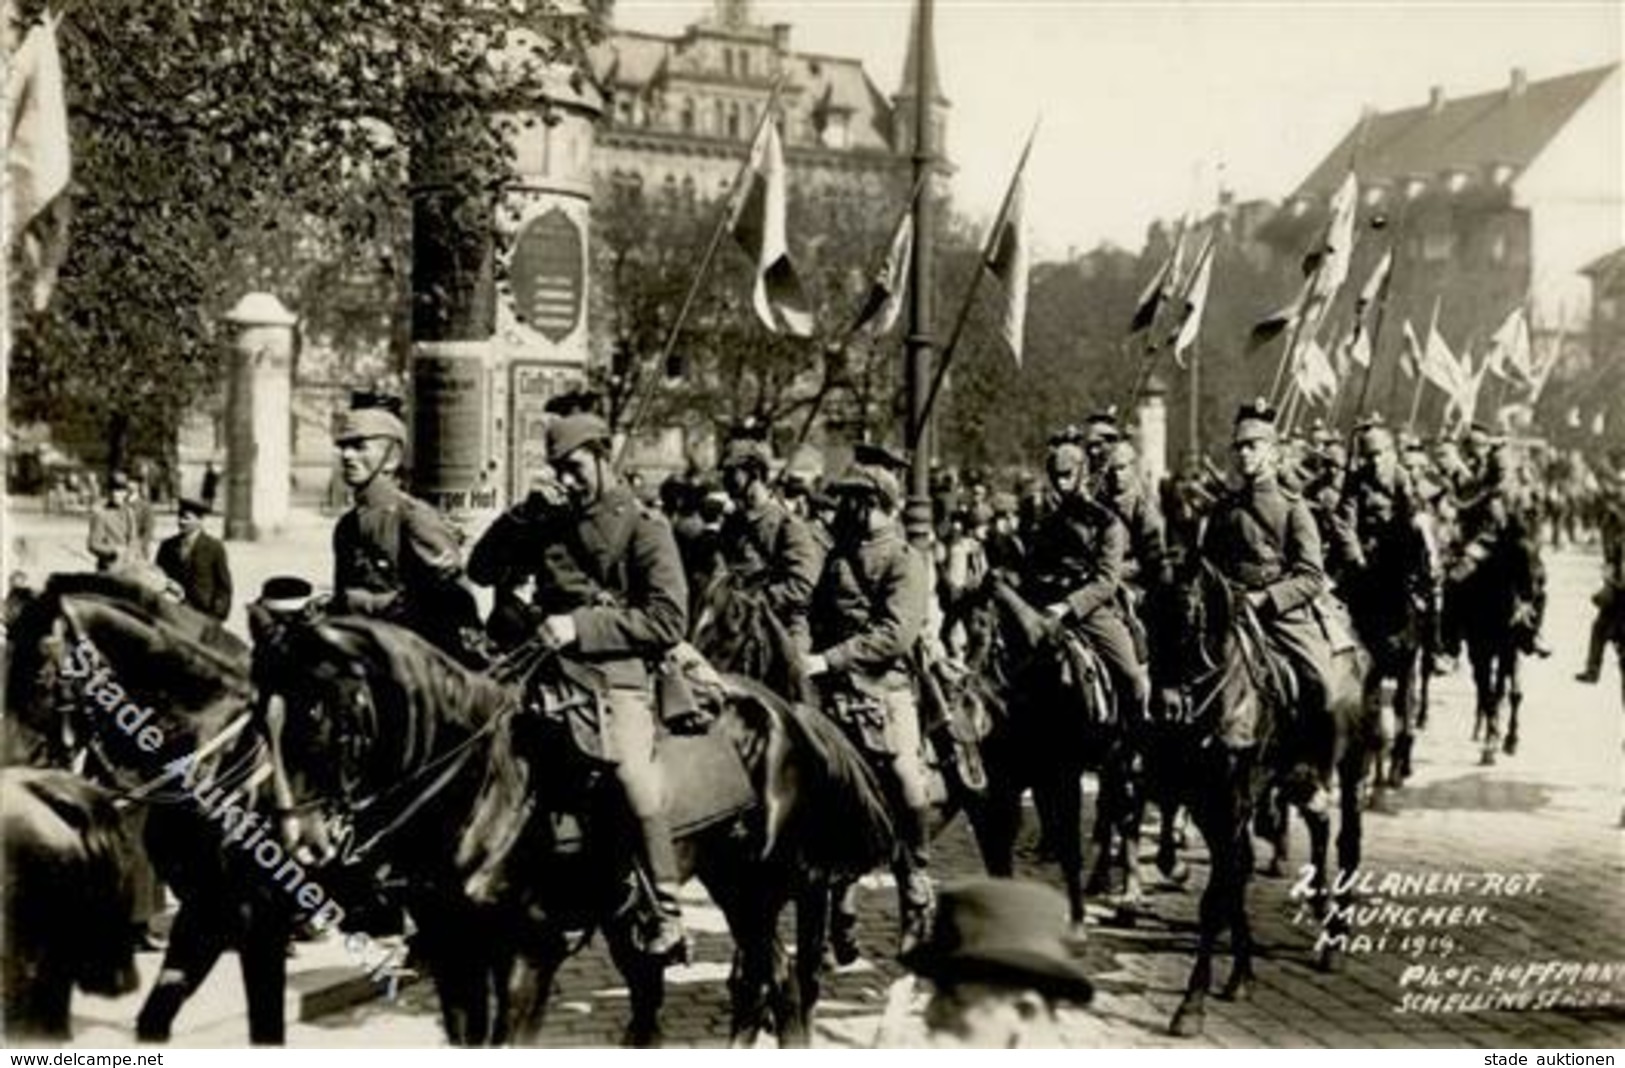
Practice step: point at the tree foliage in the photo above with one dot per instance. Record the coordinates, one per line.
(223, 146)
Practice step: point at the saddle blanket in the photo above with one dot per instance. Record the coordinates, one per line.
(706, 783)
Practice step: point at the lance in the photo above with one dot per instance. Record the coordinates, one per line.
(645, 396)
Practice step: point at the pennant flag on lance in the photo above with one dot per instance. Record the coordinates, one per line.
(38, 162)
(1316, 378)
(884, 302)
(1599, 423)
(1194, 301)
(757, 222)
(1573, 419)
(1511, 356)
(1007, 256)
(1358, 349)
(1162, 284)
(1410, 358)
(1329, 264)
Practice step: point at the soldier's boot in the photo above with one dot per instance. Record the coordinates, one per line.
(667, 941)
(915, 894)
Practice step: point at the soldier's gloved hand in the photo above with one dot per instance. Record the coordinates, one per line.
(816, 665)
(560, 631)
(1059, 610)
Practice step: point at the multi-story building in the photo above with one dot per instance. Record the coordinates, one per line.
(681, 110)
(1491, 200)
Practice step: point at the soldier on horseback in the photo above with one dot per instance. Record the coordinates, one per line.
(395, 557)
(610, 586)
(869, 611)
(764, 544)
(1388, 583)
(1263, 539)
(1076, 572)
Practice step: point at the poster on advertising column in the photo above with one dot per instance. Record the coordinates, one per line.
(448, 430)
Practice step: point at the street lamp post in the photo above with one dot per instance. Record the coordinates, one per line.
(917, 516)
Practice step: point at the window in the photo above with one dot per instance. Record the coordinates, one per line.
(728, 62)
(688, 115)
(721, 123)
(744, 64)
(1498, 247)
(1607, 309)
(733, 121)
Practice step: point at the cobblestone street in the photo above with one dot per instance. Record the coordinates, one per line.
(1550, 815)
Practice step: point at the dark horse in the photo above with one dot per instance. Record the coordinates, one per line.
(194, 677)
(65, 896)
(1243, 741)
(1489, 610)
(468, 785)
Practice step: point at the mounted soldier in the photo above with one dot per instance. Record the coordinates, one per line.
(1609, 625)
(1388, 584)
(394, 556)
(1147, 572)
(763, 544)
(610, 591)
(1263, 539)
(1075, 572)
(869, 611)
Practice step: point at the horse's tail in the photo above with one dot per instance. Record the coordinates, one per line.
(823, 803)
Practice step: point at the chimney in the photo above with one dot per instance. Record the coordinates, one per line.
(1435, 99)
(1519, 84)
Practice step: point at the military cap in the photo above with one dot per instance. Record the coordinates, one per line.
(192, 506)
(358, 424)
(1102, 426)
(1322, 435)
(1065, 458)
(568, 433)
(1255, 421)
(869, 480)
(118, 480)
(285, 593)
(1005, 932)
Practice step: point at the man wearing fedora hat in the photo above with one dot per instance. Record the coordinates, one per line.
(998, 966)
(196, 561)
(115, 536)
(395, 557)
(869, 610)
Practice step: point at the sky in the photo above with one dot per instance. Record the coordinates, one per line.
(1146, 107)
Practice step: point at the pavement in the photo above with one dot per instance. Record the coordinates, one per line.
(1515, 942)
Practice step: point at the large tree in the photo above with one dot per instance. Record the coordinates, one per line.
(221, 146)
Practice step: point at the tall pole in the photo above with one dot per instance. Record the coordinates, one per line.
(917, 515)
(1195, 439)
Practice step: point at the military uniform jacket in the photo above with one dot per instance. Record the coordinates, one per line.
(1264, 538)
(870, 608)
(1392, 575)
(396, 558)
(1077, 556)
(1147, 562)
(615, 570)
(774, 551)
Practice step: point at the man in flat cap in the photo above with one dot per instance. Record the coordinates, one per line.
(998, 966)
(395, 557)
(610, 589)
(763, 544)
(869, 610)
(196, 561)
(115, 536)
(1263, 538)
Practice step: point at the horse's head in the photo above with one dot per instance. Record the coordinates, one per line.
(737, 630)
(95, 663)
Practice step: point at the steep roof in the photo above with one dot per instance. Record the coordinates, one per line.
(1605, 267)
(1498, 127)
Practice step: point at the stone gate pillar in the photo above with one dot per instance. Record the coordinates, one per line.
(259, 427)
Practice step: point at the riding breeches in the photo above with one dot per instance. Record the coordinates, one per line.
(1112, 641)
(629, 741)
(1303, 645)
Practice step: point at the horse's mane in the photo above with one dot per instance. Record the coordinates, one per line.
(837, 817)
(418, 691)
